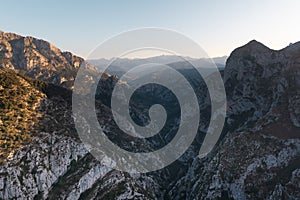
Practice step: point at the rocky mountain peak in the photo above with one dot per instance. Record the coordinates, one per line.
(9, 35)
(292, 50)
(261, 77)
(38, 59)
(252, 47)
(255, 43)
(254, 58)
(263, 124)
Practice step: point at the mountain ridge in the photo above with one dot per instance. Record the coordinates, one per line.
(38, 59)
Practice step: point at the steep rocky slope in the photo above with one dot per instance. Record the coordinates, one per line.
(51, 162)
(260, 156)
(38, 59)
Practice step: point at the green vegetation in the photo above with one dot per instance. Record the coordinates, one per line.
(19, 101)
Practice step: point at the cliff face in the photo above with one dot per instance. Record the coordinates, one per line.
(257, 157)
(263, 82)
(38, 59)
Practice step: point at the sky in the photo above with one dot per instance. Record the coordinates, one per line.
(217, 26)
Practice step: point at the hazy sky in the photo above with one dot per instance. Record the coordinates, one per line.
(218, 26)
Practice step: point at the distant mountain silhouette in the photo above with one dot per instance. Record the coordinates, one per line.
(120, 65)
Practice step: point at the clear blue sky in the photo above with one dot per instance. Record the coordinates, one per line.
(218, 26)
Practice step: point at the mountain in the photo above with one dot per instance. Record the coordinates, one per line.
(118, 66)
(38, 59)
(257, 156)
(41, 154)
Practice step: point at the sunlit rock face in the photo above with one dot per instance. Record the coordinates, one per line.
(38, 59)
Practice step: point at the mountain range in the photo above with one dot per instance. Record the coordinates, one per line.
(119, 66)
(42, 157)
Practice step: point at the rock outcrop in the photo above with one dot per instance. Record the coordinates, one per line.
(259, 156)
(38, 59)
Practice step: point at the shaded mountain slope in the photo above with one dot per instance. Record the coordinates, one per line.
(259, 156)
